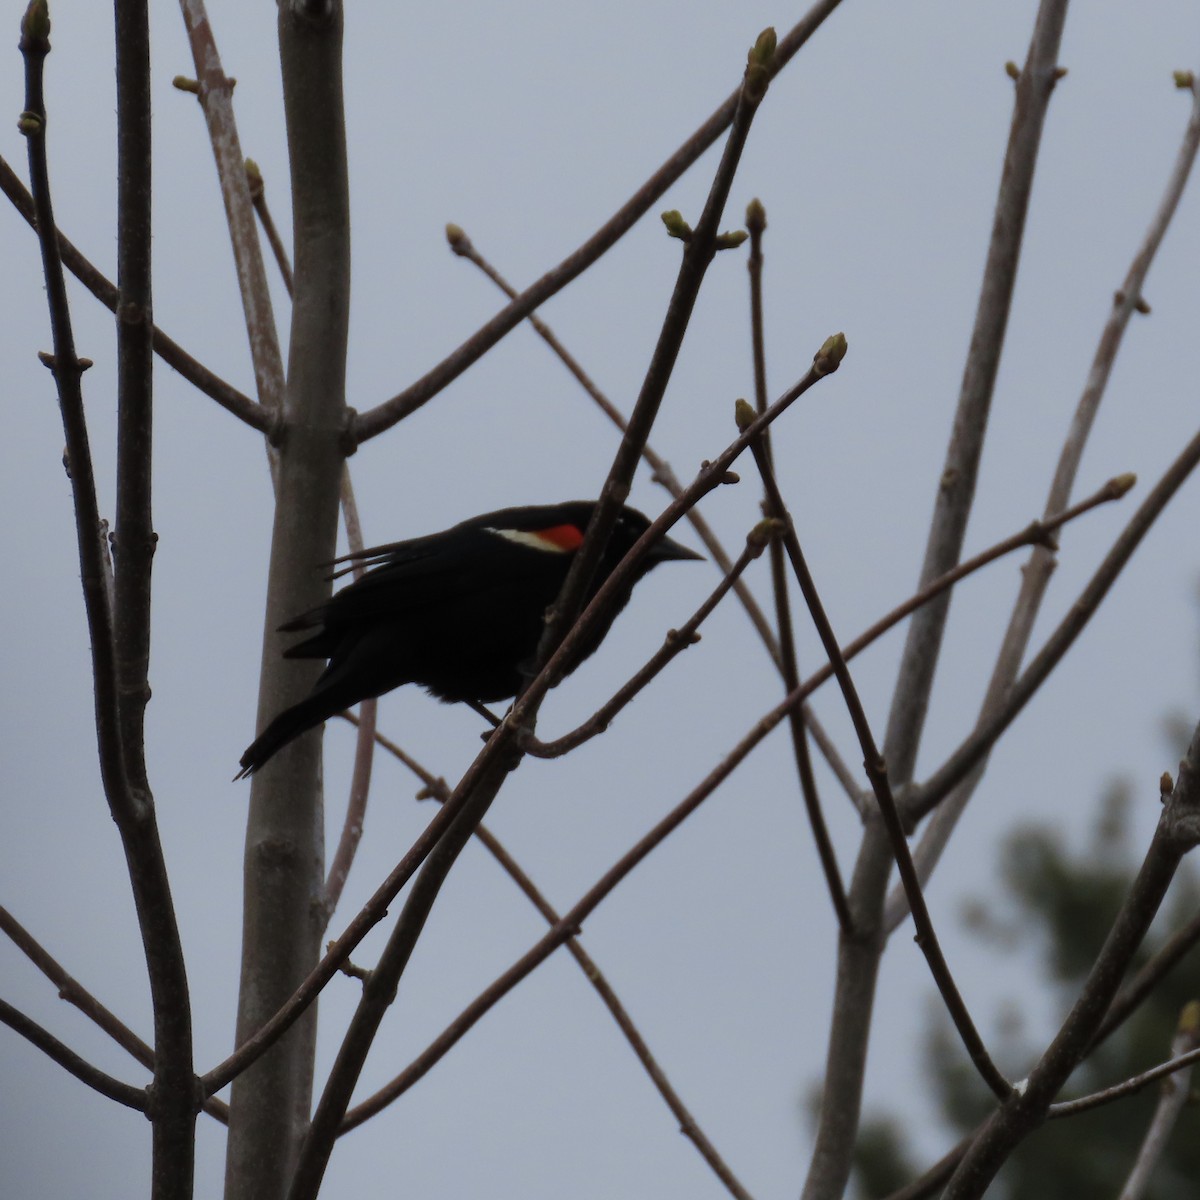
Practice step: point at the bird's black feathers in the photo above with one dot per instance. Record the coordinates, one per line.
(458, 612)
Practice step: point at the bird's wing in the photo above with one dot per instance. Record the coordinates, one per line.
(411, 576)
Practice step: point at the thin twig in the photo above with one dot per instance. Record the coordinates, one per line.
(825, 362)
(676, 641)
(701, 246)
(1035, 575)
(876, 770)
(979, 742)
(387, 414)
(173, 354)
(837, 764)
(380, 990)
(571, 921)
(438, 789)
(663, 474)
(73, 992)
(1035, 532)
(1172, 1097)
(364, 746)
(661, 471)
(1184, 1056)
(258, 197)
(216, 99)
(1178, 832)
(1126, 1002)
(48, 1044)
(756, 224)
(122, 765)
(1131, 995)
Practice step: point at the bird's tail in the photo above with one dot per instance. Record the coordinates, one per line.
(291, 723)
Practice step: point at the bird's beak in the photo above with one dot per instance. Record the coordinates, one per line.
(668, 551)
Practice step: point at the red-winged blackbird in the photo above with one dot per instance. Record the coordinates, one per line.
(459, 612)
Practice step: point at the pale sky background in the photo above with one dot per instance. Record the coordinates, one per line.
(877, 155)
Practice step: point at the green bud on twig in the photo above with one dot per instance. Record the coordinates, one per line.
(758, 66)
(763, 49)
(756, 216)
(254, 179)
(35, 24)
(29, 123)
(677, 227)
(181, 83)
(829, 357)
(763, 534)
(1120, 484)
(1012, 70)
(731, 240)
(456, 235)
(744, 415)
(1184, 79)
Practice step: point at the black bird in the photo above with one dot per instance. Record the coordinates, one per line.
(459, 612)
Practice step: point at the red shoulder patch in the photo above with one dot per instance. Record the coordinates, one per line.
(556, 539)
(563, 537)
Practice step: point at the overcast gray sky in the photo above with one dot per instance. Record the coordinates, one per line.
(877, 154)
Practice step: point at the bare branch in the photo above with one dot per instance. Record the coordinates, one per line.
(380, 989)
(756, 222)
(956, 490)
(258, 197)
(661, 471)
(284, 921)
(876, 770)
(73, 992)
(858, 963)
(1035, 575)
(1184, 1056)
(122, 765)
(676, 641)
(962, 761)
(1147, 978)
(364, 747)
(174, 355)
(700, 248)
(1178, 832)
(387, 414)
(216, 99)
(106, 1085)
(663, 474)
(569, 923)
(1127, 1000)
(437, 789)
